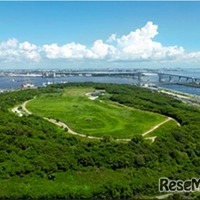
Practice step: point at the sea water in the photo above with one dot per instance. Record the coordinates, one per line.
(17, 82)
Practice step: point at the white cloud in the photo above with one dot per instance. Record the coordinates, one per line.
(29, 51)
(193, 55)
(138, 45)
(71, 50)
(12, 50)
(27, 46)
(8, 50)
(10, 43)
(140, 36)
(112, 38)
(101, 50)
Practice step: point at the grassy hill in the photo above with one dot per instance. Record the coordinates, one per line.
(97, 117)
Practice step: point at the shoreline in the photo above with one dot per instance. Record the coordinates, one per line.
(38, 83)
(184, 97)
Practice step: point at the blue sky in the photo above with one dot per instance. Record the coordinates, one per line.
(99, 34)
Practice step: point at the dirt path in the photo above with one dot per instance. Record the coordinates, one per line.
(157, 126)
(61, 124)
(164, 196)
(151, 138)
(24, 107)
(17, 111)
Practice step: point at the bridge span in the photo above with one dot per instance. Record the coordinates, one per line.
(164, 77)
(136, 75)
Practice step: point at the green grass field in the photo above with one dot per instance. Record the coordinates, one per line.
(93, 117)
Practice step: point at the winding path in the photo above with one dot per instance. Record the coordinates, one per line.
(24, 107)
(61, 124)
(157, 126)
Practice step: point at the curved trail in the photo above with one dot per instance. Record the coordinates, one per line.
(24, 107)
(62, 124)
(157, 126)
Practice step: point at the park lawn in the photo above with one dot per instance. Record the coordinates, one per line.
(93, 117)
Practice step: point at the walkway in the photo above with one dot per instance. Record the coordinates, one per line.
(157, 126)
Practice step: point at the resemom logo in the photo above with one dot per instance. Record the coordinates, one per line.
(190, 185)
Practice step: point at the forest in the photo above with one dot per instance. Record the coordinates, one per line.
(39, 160)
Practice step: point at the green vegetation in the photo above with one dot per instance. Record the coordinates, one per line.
(39, 160)
(163, 130)
(93, 117)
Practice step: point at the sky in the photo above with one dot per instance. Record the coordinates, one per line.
(87, 34)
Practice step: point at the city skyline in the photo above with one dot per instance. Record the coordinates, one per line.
(81, 35)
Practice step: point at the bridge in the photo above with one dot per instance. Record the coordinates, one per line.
(136, 75)
(174, 78)
(162, 77)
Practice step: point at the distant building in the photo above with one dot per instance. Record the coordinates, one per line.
(28, 85)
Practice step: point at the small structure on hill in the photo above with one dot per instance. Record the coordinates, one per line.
(94, 95)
